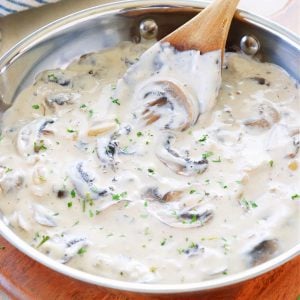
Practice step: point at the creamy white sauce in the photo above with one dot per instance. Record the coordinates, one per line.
(102, 176)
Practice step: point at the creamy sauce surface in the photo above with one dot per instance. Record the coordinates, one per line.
(149, 178)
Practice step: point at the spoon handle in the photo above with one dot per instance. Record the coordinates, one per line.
(207, 31)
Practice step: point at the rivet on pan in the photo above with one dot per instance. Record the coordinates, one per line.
(249, 45)
(148, 29)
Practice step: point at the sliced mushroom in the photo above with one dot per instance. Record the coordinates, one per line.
(101, 128)
(263, 252)
(60, 99)
(107, 149)
(31, 137)
(267, 115)
(63, 247)
(57, 76)
(83, 181)
(166, 100)
(43, 215)
(180, 165)
(178, 208)
(10, 181)
(284, 140)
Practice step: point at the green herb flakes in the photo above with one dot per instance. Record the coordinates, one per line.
(295, 197)
(35, 106)
(73, 193)
(203, 138)
(163, 242)
(115, 101)
(81, 251)
(45, 238)
(39, 146)
(207, 154)
(150, 171)
(71, 130)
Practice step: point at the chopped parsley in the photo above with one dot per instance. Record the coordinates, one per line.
(35, 106)
(248, 204)
(217, 160)
(39, 146)
(52, 77)
(207, 154)
(82, 106)
(271, 163)
(7, 170)
(150, 171)
(118, 197)
(117, 121)
(163, 242)
(203, 138)
(72, 130)
(91, 112)
(81, 251)
(224, 186)
(192, 191)
(153, 269)
(139, 134)
(295, 196)
(115, 101)
(45, 238)
(70, 204)
(73, 194)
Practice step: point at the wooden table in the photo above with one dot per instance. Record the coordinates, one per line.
(24, 279)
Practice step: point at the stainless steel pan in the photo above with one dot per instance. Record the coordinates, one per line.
(104, 26)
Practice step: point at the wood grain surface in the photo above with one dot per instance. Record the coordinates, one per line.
(24, 279)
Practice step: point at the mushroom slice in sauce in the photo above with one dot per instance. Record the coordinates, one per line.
(168, 101)
(267, 115)
(127, 267)
(43, 216)
(31, 137)
(60, 99)
(180, 165)
(63, 247)
(263, 252)
(84, 182)
(177, 209)
(57, 76)
(283, 140)
(101, 128)
(107, 149)
(10, 181)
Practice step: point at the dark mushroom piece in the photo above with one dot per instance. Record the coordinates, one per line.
(166, 99)
(30, 138)
(262, 252)
(267, 116)
(180, 165)
(107, 150)
(172, 209)
(61, 99)
(84, 182)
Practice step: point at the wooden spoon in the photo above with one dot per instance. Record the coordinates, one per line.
(207, 31)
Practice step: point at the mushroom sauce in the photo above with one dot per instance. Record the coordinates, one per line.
(150, 179)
